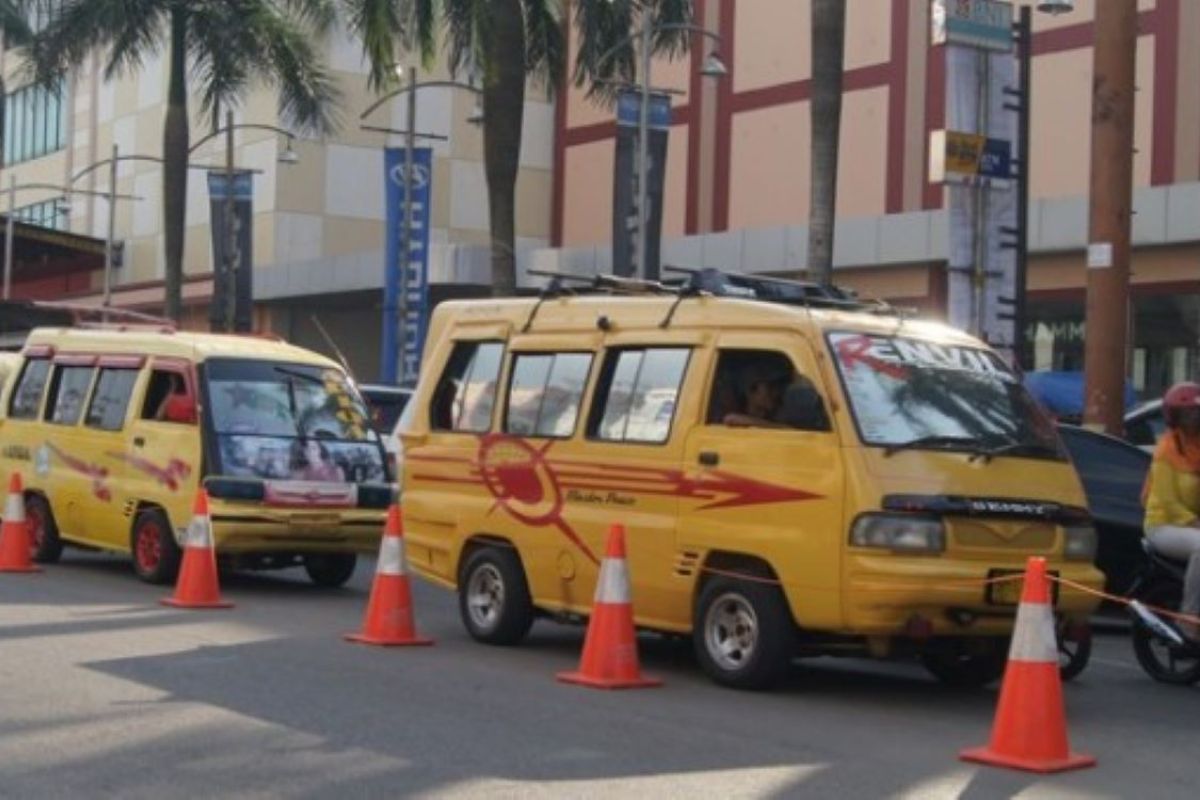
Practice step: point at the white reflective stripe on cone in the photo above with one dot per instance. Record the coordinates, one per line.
(199, 533)
(14, 509)
(391, 556)
(1033, 638)
(613, 584)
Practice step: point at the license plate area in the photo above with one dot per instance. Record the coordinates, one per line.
(1007, 594)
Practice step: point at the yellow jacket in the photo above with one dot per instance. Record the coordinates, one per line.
(1172, 488)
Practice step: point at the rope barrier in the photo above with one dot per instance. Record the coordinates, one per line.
(1125, 601)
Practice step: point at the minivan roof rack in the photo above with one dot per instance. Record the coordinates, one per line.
(708, 281)
(108, 315)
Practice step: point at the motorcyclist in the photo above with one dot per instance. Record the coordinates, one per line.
(1173, 493)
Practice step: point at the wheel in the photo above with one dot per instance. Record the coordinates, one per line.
(1162, 661)
(743, 634)
(1074, 649)
(156, 554)
(330, 570)
(493, 597)
(43, 531)
(967, 663)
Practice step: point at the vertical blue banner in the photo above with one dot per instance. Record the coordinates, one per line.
(403, 339)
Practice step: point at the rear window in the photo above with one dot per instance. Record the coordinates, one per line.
(637, 395)
(466, 393)
(68, 393)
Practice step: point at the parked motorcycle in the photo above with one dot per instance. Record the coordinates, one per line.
(1161, 650)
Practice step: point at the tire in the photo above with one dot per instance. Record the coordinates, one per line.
(1074, 651)
(43, 530)
(967, 663)
(493, 597)
(1164, 662)
(330, 570)
(743, 633)
(156, 554)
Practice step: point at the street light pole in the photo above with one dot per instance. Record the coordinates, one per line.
(231, 265)
(112, 227)
(644, 156)
(9, 232)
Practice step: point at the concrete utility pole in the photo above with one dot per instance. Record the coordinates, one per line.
(1110, 207)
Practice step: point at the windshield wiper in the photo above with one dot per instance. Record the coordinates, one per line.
(1022, 448)
(934, 440)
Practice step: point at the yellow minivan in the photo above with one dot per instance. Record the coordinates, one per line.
(115, 429)
(798, 473)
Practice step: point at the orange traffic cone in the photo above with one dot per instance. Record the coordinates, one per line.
(610, 659)
(16, 545)
(197, 584)
(389, 618)
(1030, 730)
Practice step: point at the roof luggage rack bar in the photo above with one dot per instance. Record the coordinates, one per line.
(107, 314)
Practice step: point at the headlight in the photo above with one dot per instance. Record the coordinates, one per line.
(1079, 543)
(900, 532)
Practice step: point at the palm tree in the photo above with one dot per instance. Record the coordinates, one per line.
(487, 38)
(15, 30)
(828, 44)
(225, 46)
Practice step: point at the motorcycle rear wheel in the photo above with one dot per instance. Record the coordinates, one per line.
(1162, 661)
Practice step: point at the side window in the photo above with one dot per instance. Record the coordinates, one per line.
(68, 391)
(110, 401)
(27, 396)
(761, 388)
(545, 392)
(466, 392)
(168, 399)
(637, 393)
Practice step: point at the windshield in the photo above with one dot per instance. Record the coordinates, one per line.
(291, 421)
(908, 392)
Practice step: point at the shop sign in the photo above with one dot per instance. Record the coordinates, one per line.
(985, 24)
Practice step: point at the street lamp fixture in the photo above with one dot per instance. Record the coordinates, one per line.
(1056, 6)
(712, 67)
(289, 155)
(476, 117)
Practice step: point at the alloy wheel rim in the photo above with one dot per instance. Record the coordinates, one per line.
(149, 547)
(731, 632)
(485, 597)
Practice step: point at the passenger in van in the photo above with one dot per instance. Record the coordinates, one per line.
(174, 405)
(761, 396)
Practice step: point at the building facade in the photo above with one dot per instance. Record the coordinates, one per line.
(737, 186)
(318, 223)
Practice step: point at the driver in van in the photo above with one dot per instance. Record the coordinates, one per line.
(1172, 494)
(761, 394)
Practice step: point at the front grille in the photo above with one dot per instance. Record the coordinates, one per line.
(1003, 536)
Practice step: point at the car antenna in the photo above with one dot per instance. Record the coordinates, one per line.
(329, 340)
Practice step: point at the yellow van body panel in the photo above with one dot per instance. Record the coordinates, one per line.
(779, 507)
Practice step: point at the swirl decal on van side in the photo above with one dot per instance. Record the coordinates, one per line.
(97, 473)
(534, 490)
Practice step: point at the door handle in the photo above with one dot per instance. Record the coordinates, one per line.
(709, 458)
(138, 441)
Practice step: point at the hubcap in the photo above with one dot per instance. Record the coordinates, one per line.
(485, 597)
(149, 547)
(731, 631)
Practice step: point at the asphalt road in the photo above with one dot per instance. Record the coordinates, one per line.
(105, 693)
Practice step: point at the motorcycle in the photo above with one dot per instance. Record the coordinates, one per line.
(1161, 650)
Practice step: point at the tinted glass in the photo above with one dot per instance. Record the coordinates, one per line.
(545, 393)
(69, 394)
(1112, 472)
(27, 397)
(466, 393)
(111, 399)
(641, 396)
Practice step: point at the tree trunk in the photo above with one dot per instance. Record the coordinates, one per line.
(175, 161)
(503, 112)
(828, 43)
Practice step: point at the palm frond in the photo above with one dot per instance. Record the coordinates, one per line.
(467, 24)
(129, 29)
(220, 70)
(380, 24)
(545, 50)
(601, 27)
(319, 15)
(672, 42)
(14, 23)
(277, 49)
